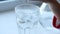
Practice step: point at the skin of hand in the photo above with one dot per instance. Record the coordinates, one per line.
(54, 6)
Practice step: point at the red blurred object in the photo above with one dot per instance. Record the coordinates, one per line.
(54, 23)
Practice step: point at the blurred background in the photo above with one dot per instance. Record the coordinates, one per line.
(8, 17)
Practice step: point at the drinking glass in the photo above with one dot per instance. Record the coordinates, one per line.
(27, 16)
(46, 17)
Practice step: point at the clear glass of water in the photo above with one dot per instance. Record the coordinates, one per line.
(46, 17)
(27, 15)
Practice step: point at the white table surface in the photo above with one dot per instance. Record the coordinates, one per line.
(8, 25)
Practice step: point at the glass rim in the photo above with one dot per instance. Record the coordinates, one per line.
(37, 7)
